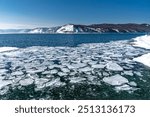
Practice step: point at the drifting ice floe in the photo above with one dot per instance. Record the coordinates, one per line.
(114, 66)
(115, 80)
(50, 67)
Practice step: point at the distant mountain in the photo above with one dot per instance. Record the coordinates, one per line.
(79, 29)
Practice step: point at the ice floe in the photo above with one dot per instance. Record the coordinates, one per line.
(124, 87)
(25, 82)
(133, 84)
(50, 67)
(113, 66)
(115, 80)
(129, 73)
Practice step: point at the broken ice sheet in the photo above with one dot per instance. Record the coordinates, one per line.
(86, 63)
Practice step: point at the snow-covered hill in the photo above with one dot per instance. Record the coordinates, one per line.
(66, 29)
(71, 28)
(95, 28)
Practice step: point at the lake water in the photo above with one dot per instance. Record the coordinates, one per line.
(59, 66)
(28, 40)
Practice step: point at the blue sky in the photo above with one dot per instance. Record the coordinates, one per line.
(37, 13)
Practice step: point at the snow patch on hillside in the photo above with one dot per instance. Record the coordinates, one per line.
(66, 29)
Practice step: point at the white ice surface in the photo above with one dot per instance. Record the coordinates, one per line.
(81, 64)
(66, 28)
(4, 49)
(144, 59)
(142, 41)
(115, 80)
(114, 66)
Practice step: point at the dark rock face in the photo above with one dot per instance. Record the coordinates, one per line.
(122, 27)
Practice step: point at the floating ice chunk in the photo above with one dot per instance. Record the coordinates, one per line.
(72, 73)
(17, 73)
(46, 72)
(105, 74)
(4, 83)
(144, 59)
(39, 87)
(79, 65)
(26, 82)
(129, 73)
(131, 54)
(4, 49)
(4, 90)
(116, 55)
(85, 69)
(115, 80)
(113, 66)
(77, 80)
(65, 70)
(138, 73)
(133, 84)
(124, 87)
(62, 74)
(142, 41)
(86, 61)
(3, 71)
(70, 66)
(54, 83)
(92, 62)
(2, 65)
(32, 71)
(40, 81)
(98, 66)
(99, 74)
(54, 66)
(54, 71)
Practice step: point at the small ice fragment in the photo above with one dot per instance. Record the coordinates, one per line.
(114, 66)
(98, 66)
(132, 84)
(26, 82)
(115, 80)
(54, 71)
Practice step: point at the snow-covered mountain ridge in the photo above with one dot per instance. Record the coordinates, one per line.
(77, 29)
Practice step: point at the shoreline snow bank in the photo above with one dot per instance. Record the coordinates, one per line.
(144, 59)
(142, 41)
(4, 49)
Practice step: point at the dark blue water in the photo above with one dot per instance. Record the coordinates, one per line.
(27, 40)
